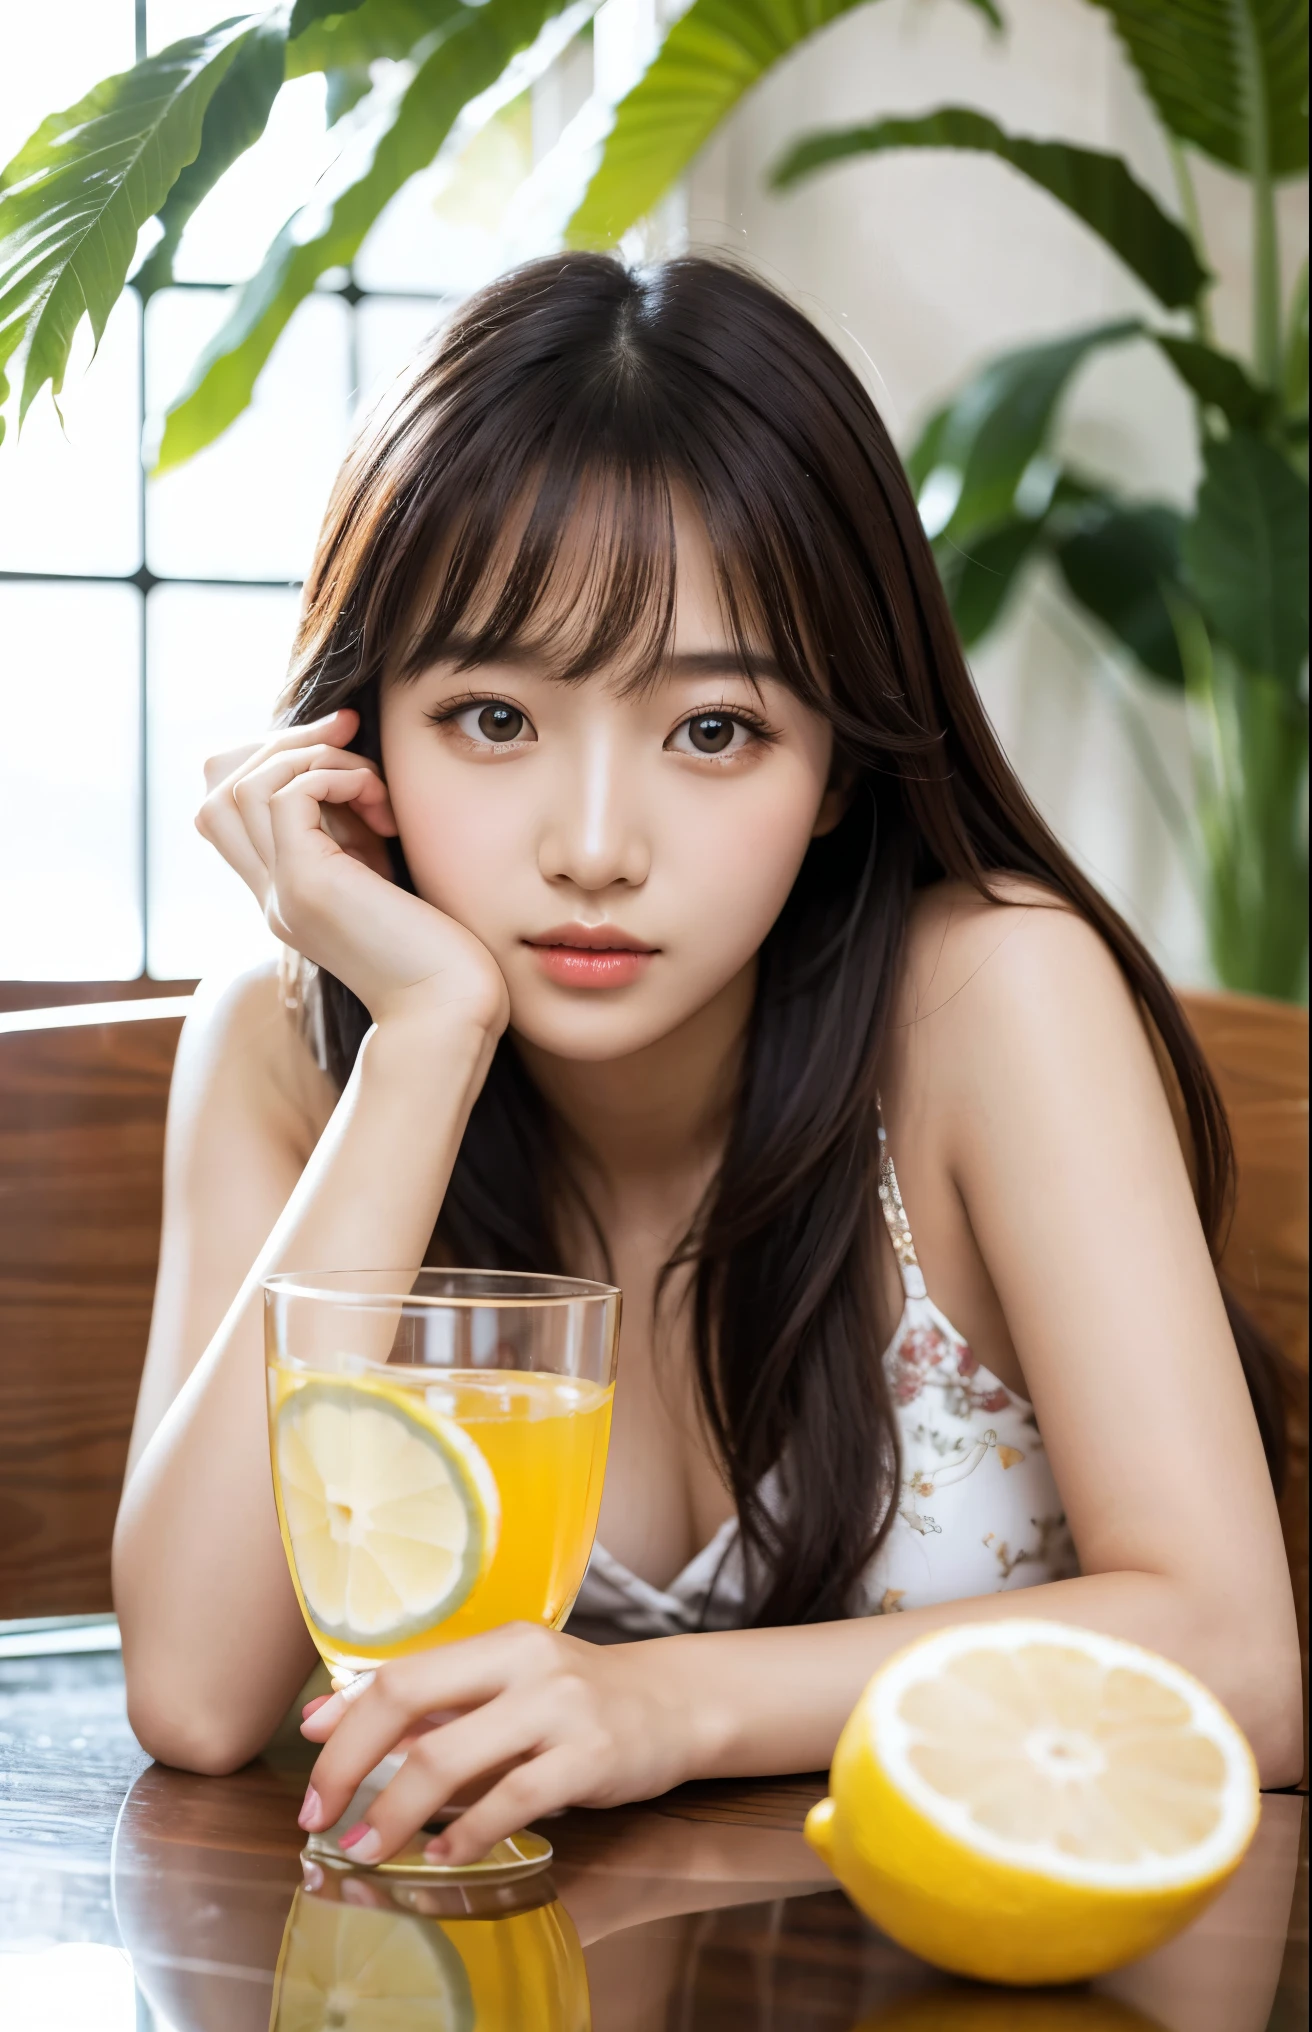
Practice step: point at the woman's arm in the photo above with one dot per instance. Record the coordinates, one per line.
(1048, 1112)
(214, 1645)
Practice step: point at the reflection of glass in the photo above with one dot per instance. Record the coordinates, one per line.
(367, 1958)
(439, 1442)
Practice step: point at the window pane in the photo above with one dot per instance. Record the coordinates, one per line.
(226, 238)
(169, 20)
(444, 230)
(389, 331)
(53, 55)
(216, 658)
(70, 495)
(70, 806)
(249, 506)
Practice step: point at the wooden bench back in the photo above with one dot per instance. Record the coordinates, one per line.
(82, 1107)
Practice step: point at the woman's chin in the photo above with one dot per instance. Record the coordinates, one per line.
(592, 1025)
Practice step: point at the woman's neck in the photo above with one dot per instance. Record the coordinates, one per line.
(660, 1115)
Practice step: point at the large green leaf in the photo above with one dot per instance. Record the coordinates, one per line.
(1219, 381)
(713, 54)
(1228, 75)
(76, 195)
(1119, 561)
(1245, 554)
(378, 28)
(305, 12)
(459, 60)
(980, 579)
(234, 121)
(986, 440)
(1098, 188)
(1295, 390)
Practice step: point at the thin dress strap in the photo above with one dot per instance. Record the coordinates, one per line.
(895, 1217)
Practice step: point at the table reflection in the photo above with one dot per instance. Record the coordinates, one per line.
(701, 1913)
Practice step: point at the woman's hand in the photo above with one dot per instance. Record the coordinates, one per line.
(529, 1719)
(303, 822)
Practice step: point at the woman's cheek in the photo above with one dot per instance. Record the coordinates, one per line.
(460, 849)
(752, 866)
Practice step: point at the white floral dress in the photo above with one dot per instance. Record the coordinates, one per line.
(977, 1507)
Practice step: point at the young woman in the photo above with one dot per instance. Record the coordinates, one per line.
(668, 913)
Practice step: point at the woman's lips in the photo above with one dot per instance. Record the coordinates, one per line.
(591, 956)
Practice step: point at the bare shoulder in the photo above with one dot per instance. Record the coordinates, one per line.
(242, 1047)
(1008, 994)
(1021, 947)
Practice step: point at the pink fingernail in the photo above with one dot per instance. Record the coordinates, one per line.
(311, 1809)
(437, 1851)
(363, 1841)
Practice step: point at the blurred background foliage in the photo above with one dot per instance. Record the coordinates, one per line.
(1210, 601)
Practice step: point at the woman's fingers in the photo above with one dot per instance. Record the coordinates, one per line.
(442, 1763)
(312, 767)
(542, 1786)
(358, 1730)
(220, 820)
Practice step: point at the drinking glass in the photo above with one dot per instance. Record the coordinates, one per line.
(438, 1441)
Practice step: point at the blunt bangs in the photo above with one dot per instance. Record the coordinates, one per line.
(518, 496)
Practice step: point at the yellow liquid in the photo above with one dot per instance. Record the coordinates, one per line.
(544, 1438)
(361, 1966)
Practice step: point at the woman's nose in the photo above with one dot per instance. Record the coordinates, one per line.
(594, 835)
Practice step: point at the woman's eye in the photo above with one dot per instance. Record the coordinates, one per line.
(494, 722)
(711, 734)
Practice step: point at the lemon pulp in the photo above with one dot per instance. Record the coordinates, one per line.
(1029, 1802)
(361, 1969)
(390, 1512)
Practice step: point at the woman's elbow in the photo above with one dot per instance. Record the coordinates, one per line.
(187, 1738)
(1276, 1732)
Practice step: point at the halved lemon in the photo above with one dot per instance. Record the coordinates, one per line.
(360, 1969)
(1028, 1802)
(391, 1511)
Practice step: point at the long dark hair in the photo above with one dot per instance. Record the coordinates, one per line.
(576, 386)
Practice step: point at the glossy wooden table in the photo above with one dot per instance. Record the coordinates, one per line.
(137, 1899)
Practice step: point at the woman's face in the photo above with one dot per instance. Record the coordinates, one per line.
(621, 856)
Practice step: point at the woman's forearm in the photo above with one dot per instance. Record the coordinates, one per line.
(214, 1644)
(768, 1701)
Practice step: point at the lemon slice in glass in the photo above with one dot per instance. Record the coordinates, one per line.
(360, 1969)
(391, 1511)
(1029, 1802)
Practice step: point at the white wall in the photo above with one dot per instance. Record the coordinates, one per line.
(921, 266)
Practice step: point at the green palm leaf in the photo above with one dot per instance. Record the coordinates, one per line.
(77, 194)
(1227, 75)
(305, 12)
(1098, 188)
(1219, 381)
(234, 121)
(1245, 555)
(713, 54)
(456, 62)
(975, 453)
(349, 40)
(1116, 560)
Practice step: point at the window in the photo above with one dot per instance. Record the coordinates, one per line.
(145, 623)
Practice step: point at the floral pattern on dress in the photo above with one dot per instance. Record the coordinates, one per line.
(977, 1510)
